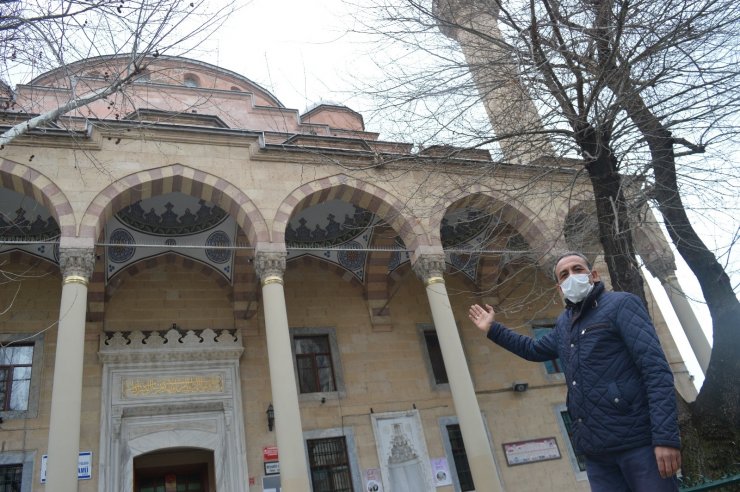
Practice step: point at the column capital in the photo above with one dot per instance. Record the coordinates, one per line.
(430, 267)
(77, 263)
(270, 266)
(661, 267)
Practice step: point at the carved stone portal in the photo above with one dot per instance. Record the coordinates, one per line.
(180, 390)
(402, 452)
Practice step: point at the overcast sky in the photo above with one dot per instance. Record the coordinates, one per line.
(300, 50)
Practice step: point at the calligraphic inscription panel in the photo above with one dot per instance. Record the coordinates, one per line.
(172, 385)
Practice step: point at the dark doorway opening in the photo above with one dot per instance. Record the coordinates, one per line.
(175, 470)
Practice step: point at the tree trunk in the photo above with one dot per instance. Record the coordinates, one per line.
(712, 448)
(611, 211)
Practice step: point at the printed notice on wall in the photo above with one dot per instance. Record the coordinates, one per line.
(440, 472)
(84, 466)
(521, 452)
(373, 482)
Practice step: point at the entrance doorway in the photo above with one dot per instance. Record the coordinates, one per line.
(175, 470)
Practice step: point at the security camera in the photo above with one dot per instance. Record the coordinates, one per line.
(519, 387)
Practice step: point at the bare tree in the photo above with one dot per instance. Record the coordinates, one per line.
(642, 91)
(40, 36)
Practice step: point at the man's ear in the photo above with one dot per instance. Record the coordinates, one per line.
(557, 287)
(595, 276)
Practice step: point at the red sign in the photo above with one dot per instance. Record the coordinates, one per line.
(170, 482)
(270, 453)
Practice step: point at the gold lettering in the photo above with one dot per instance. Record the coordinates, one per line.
(177, 385)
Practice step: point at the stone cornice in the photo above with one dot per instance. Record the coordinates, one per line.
(93, 135)
(277, 152)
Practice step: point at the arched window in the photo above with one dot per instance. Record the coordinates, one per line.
(144, 76)
(191, 80)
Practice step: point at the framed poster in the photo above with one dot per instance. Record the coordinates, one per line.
(531, 451)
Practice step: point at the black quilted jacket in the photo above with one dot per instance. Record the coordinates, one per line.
(620, 387)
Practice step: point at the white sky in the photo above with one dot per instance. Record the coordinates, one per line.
(299, 50)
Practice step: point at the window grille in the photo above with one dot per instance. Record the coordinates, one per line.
(329, 465)
(462, 467)
(10, 478)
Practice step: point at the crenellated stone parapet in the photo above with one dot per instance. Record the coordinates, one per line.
(193, 345)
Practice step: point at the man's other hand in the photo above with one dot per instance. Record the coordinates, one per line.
(669, 460)
(482, 318)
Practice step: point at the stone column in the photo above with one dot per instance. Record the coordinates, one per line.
(660, 263)
(429, 268)
(687, 318)
(76, 258)
(270, 266)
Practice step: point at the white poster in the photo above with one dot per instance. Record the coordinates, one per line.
(373, 482)
(440, 472)
(84, 466)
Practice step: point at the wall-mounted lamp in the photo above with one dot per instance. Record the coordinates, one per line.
(519, 387)
(270, 417)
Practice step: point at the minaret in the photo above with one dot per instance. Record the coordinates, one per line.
(473, 24)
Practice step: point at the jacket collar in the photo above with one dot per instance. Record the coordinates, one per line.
(581, 308)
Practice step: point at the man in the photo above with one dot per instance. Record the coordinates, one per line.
(620, 388)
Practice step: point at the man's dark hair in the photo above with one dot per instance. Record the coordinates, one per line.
(565, 255)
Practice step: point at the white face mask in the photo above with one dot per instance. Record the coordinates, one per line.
(576, 287)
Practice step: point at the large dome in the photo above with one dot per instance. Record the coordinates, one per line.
(162, 70)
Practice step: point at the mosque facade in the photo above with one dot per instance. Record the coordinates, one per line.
(205, 290)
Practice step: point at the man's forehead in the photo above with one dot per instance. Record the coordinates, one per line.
(569, 260)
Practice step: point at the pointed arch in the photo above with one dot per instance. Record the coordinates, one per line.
(527, 223)
(29, 182)
(358, 192)
(168, 179)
